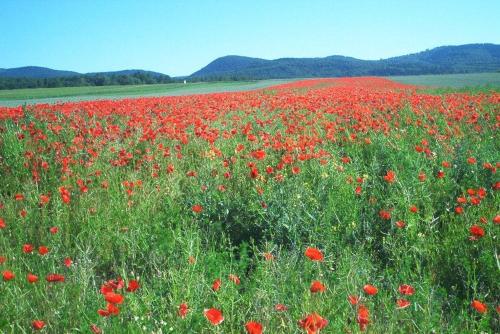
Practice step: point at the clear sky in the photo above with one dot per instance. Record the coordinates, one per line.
(180, 37)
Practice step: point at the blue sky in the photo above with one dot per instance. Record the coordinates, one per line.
(179, 37)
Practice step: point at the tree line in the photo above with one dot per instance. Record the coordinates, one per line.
(85, 80)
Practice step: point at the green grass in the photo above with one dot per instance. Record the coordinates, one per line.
(17, 97)
(490, 80)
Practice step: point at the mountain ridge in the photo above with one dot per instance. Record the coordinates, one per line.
(467, 58)
(39, 72)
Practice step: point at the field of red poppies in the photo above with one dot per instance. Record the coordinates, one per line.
(320, 206)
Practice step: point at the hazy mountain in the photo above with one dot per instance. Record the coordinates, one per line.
(127, 72)
(34, 72)
(44, 72)
(445, 59)
(41, 77)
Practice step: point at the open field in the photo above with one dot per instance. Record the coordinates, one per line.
(319, 206)
(17, 97)
(451, 80)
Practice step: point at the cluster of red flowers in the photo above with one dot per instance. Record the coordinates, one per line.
(113, 299)
(259, 138)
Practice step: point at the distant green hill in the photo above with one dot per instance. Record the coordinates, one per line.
(42, 77)
(469, 58)
(34, 72)
(127, 72)
(45, 72)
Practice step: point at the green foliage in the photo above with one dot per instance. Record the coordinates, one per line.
(80, 80)
(153, 235)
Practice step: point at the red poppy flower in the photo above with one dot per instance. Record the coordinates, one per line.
(496, 220)
(54, 230)
(317, 286)
(479, 307)
(353, 300)
(489, 166)
(313, 323)
(65, 195)
(197, 208)
(31, 278)
(119, 283)
(113, 298)
(2, 259)
(253, 327)
(105, 288)
(414, 209)
(19, 197)
(384, 214)
(314, 254)
(402, 303)
(389, 176)
(2, 223)
(259, 155)
(113, 309)
(94, 329)
(345, 160)
(68, 262)
(54, 278)
(406, 289)
(191, 174)
(400, 224)
(133, 285)
(268, 256)
(38, 324)
(363, 318)
(254, 173)
(216, 284)
(476, 232)
(27, 248)
(8, 275)
(214, 316)
(183, 310)
(358, 190)
(42, 250)
(235, 279)
(280, 307)
(103, 313)
(370, 290)
(44, 199)
(281, 178)
(475, 201)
